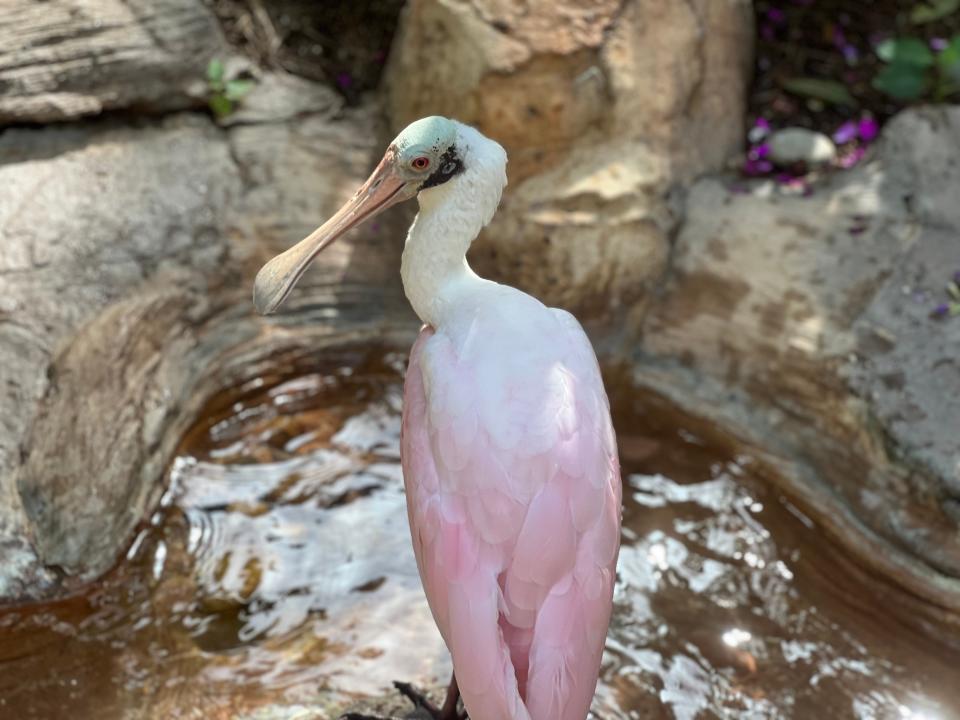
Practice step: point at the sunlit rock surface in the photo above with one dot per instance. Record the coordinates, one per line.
(128, 255)
(799, 325)
(622, 102)
(807, 321)
(73, 58)
(112, 246)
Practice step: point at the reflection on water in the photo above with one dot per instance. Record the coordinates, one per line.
(280, 571)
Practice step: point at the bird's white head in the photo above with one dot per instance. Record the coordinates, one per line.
(427, 159)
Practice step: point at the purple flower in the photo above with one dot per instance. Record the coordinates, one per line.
(845, 133)
(868, 129)
(940, 311)
(760, 129)
(852, 158)
(939, 44)
(759, 152)
(776, 16)
(794, 183)
(344, 80)
(757, 167)
(850, 54)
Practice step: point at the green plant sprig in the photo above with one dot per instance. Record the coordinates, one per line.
(913, 70)
(224, 94)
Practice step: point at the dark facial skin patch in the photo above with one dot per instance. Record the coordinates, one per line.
(450, 166)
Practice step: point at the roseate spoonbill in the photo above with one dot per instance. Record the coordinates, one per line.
(508, 451)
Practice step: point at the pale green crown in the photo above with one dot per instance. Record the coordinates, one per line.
(427, 136)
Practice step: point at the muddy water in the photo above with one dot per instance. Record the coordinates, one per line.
(279, 574)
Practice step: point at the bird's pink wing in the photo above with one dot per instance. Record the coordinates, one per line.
(513, 495)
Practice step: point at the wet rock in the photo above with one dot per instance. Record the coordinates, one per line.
(802, 323)
(286, 712)
(793, 145)
(116, 247)
(622, 101)
(125, 302)
(277, 97)
(81, 57)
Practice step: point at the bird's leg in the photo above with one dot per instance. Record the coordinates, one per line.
(447, 712)
(422, 704)
(449, 709)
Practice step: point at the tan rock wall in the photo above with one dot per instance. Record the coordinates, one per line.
(603, 107)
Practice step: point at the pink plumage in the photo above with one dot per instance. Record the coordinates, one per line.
(509, 457)
(513, 492)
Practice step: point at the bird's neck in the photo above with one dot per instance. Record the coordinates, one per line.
(434, 267)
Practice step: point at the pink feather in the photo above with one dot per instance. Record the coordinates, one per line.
(513, 491)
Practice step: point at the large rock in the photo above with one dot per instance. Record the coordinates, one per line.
(804, 323)
(115, 246)
(603, 107)
(66, 59)
(125, 302)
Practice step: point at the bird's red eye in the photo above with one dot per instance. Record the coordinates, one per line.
(421, 163)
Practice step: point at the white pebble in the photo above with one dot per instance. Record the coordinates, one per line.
(792, 145)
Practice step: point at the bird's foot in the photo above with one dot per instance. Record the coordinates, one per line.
(422, 702)
(423, 708)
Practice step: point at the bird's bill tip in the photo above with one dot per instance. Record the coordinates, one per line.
(385, 187)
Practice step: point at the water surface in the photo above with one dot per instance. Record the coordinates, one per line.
(279, 573)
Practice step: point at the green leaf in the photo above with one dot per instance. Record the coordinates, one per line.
(908, 51)
(949, 60)
(221, 105)
(901, 81)
(947, 89)
(215, 70)
(886, 49)
(827, 90)
(933, 11)
(236, 89)
(944, 89)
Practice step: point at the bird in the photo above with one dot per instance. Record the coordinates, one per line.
(508, 451)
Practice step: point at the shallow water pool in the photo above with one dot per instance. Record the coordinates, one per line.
(279, 574)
